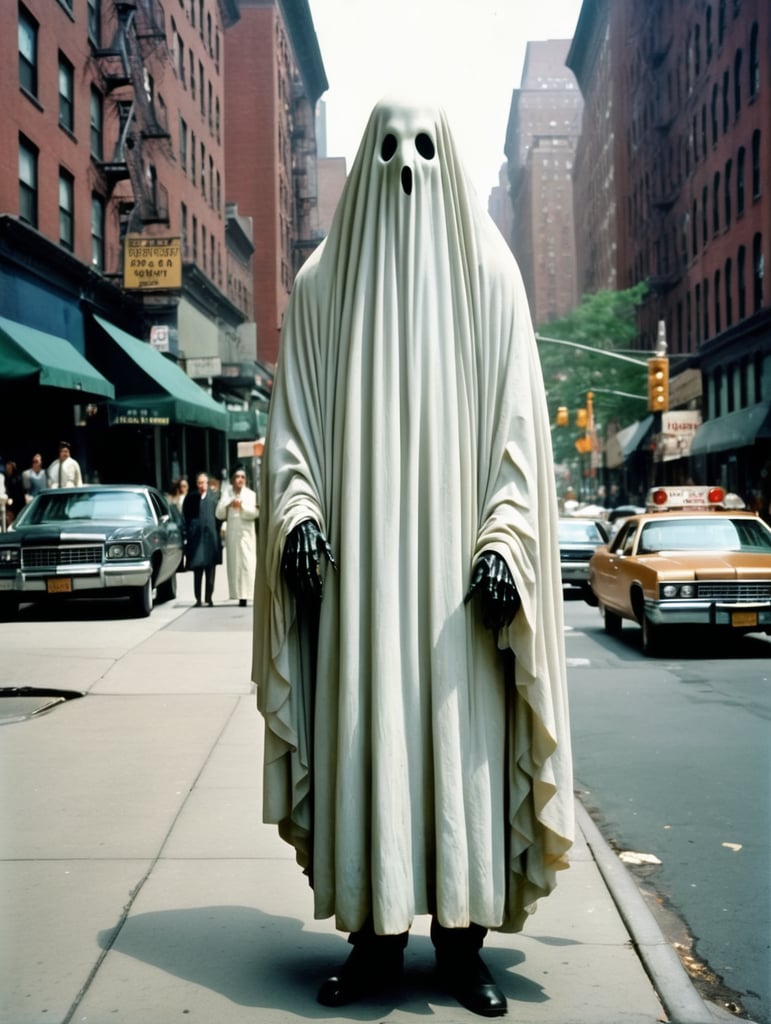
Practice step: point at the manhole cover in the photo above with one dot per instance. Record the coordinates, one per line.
(20, 702)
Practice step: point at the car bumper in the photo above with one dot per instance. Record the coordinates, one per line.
(77, 580)
(747, 615)
(577, 572)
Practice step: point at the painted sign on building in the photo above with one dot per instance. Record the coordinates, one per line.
(678, 430)
(152, 263)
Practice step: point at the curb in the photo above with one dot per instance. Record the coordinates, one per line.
(674, 987)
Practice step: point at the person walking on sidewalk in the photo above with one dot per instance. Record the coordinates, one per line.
(203, 549)
(65, 471)
(237, 508)
(408, 647)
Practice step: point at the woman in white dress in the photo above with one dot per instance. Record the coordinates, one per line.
(238, 509)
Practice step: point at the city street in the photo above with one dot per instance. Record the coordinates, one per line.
(672, 756)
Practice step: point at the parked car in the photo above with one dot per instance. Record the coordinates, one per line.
(578, 540)
(99, 540)
(693, 563)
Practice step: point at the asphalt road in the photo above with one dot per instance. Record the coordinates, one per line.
(672, 756)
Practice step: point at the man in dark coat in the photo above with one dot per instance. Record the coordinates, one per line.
(203, 548)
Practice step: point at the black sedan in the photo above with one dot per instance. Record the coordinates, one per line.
(578, 540)
(99, 540)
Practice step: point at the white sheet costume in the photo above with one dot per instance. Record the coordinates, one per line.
(425, 774)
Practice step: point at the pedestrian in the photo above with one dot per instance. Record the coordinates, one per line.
(14, 491)
(203, 550)
(237, 508)
(34, 479)
(408, 647)
(64, 471)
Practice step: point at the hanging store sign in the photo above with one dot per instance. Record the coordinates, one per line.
(152, 263)
(678, 430)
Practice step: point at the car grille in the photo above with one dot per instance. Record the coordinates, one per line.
(735, 591)
(54, 557)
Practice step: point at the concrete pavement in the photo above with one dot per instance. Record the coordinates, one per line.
(139, 885)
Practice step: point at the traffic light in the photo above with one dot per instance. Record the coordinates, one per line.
(582, 419)
(562, 416)
(658, 384)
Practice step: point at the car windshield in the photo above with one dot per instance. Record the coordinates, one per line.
(63, 506)
(721, 534)
(579, 532)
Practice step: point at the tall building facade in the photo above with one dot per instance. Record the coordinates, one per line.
(689, 85)
(275, 80)
(114, 232)
(542, 133)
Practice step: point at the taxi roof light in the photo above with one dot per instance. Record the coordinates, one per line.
(690, 497)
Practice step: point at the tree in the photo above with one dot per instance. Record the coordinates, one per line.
(606, 322)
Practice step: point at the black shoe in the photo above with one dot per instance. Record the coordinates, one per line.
(197, 604)
(210, 604)
(471, 983)
(371, 967)
(242, 603)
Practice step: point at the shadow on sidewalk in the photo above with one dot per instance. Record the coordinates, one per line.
(257, 959)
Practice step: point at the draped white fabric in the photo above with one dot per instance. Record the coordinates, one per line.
(429, 772)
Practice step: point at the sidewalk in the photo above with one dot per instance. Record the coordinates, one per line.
(140, 887)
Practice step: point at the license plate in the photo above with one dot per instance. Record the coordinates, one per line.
(59, 586)
(744, 618)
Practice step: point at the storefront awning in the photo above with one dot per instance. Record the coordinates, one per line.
(734, 430)
(167, 394)
(27, 354)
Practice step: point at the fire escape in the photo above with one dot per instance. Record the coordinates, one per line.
(304, 175)
(139, 30)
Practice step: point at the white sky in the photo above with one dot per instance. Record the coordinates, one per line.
(465, 54)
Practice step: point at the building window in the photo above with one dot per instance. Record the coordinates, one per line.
(193, 164)
(217, 118)
(183, 229)
(726, 107)
(706, 308)
(95, 22)
(727, 191)
(729, 299)
(181, 61)
(713, 112)
(66, 210)
(757, 272)
(201, 90)
(708, 33)
(704, 220)
(754, 62)
(28, 182)
(97, 127)
(720, 22)
(211, 182)
(741, 281)
(740, 160)
(66, 93)
(183, 144)
(203, 246)
(192, 73)
(97, 232)
(27, 52)
(203, 170)
(716, 203)
(704, 131)
(756, 164)
(195, 239)
(694, 229)
(698, 313)
(737, 83)
(718, 322)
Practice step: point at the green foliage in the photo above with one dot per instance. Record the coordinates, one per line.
(605, 322)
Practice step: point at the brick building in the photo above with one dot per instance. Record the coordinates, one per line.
(113, 129)
(689, 87)
(275, 79)
(543, 129)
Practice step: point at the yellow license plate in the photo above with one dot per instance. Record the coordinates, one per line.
(59, 586)
(744, 618)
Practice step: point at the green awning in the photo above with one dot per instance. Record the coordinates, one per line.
(168, 395)
(29, 355)
(737, 429)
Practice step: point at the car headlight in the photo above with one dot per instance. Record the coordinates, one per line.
(9, 556)
(132, 550)
(678, 590)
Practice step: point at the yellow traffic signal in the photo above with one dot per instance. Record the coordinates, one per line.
(658, 384)
(582, 419)
(562, 416)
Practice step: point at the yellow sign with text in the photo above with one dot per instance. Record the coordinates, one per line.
(152, 263)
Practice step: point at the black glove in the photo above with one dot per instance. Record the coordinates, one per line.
(493, 582)
(301, 561)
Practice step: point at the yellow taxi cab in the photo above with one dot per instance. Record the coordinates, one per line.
(690, 559)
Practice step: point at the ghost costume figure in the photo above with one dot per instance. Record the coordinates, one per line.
(418, 762)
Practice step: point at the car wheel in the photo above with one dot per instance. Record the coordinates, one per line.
(167, 590)
(613, 622)
(651, 637)
(142, 600)
(9, 606)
